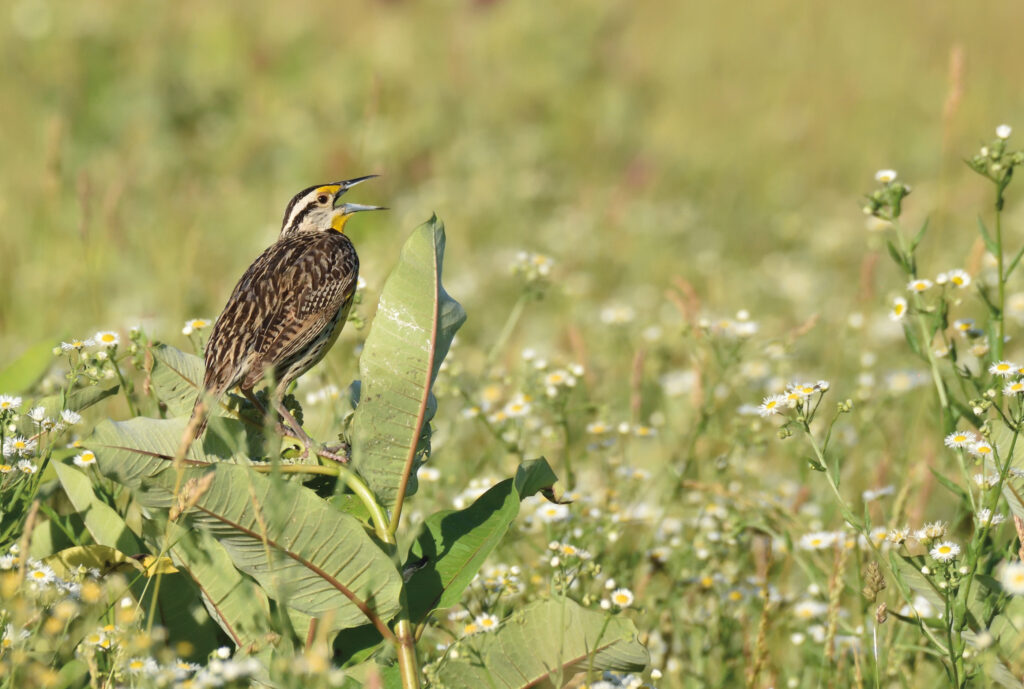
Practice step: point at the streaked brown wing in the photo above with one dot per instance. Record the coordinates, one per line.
(234, 334)
(317, 278)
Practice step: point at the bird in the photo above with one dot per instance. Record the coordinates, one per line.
(288, 308)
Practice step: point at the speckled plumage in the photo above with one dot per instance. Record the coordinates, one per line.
(284, 311)
(288, 308)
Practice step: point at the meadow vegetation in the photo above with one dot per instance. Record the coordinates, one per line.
(779, 383)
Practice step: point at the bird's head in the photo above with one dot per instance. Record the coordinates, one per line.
(317, 209)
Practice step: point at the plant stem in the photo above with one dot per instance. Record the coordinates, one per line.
(405, 638)
(945, 413)
(408, 667)
(124, 388)
(366, 496)
(844, 508)
(997, 346)
(506, 330)
(570, 476)
(991, 503)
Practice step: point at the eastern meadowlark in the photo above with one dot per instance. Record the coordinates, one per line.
(288, 308)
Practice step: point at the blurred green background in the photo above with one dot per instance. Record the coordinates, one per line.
(149, 148)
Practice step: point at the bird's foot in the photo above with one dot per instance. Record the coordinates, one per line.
(335, 453)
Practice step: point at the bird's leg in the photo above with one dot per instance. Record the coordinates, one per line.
(299, 433)
(281, 430)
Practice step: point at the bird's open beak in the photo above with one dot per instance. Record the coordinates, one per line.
(349, 208)
(348, 184)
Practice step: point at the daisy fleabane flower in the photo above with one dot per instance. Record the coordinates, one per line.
(885, 176)
(899, 536)
(959, 278)
(981, 448)
(806, 389)
(985, 517)
(1011, 576)
(959, 439)
(107, 338)
(76, 345)
(1014, 388)
(40, 574)
(986, 481)
(1003, 131)
(486, 622)
(9, 403)
(194, 324)
(945, 551)
(1003, 368)
(622, 597)
(932, 531)
(772, 405)
(18, 446)
(85, 459)
(919, 285)
(898, 309)
(817, 540)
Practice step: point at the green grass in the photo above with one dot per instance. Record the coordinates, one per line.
(647, 148)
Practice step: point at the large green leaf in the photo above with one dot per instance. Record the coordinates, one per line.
(304, 553)
(545, 644)
(21, 374)
(139, 449)
(411, 333)
(105, 525)
(176, 378)
(456, 543)
(234, 600)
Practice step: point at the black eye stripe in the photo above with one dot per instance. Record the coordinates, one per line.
(301, 215)
(296, 199)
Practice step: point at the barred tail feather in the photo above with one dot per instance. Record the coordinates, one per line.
(197, 422)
